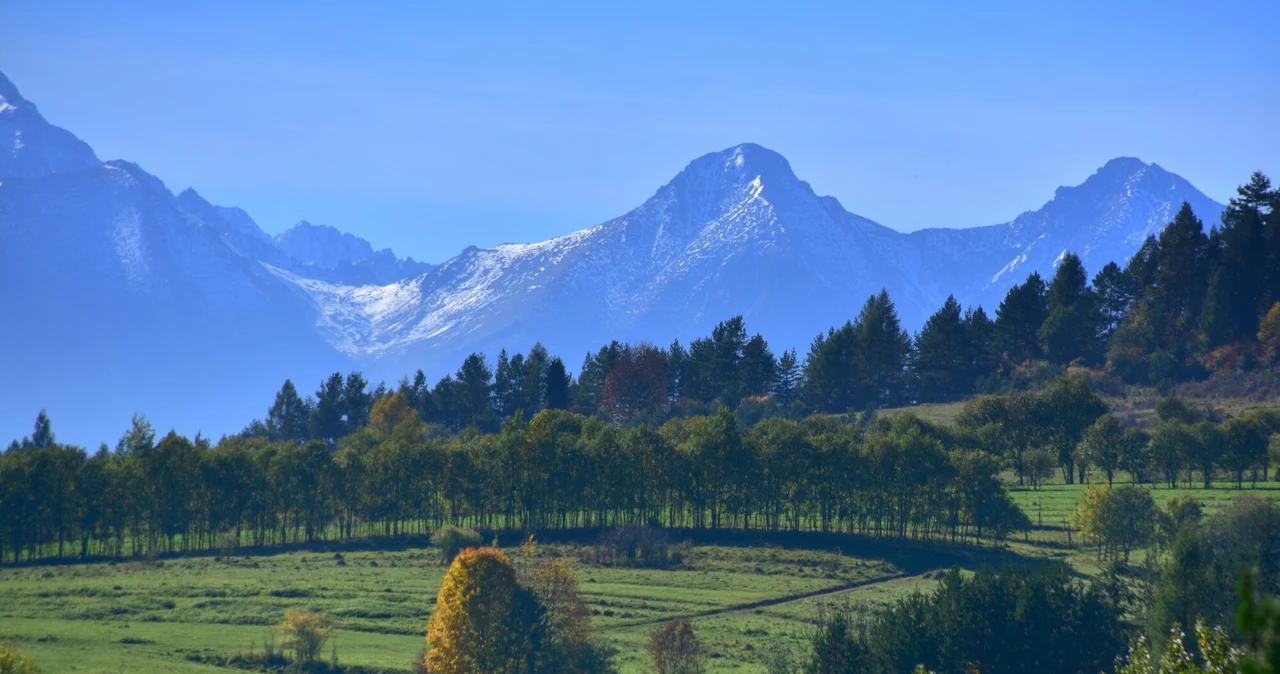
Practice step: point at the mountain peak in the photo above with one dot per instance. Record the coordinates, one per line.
(748, 159)
(1127, 165)
(9, 96)
(31, 147)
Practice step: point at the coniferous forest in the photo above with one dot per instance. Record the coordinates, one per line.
(723, 433)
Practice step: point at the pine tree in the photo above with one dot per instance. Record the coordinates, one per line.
(534, 385)
(356, 401)
(1215, 321)
(475, 388)
(502, 385)
(758, 368)
(1072, 328)
(676, 360)
(728, 339)
(1019, 318)
(787, 385)
(1115, 290)
(883, 348)
(326, 421)
(940, 366)
(1180, 273)
(558, 384)
(43, 435)
(289, 416)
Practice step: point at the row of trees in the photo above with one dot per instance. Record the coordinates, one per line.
(895, 477)
(1066, 427)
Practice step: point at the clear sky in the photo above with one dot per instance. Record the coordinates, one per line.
(431, 126)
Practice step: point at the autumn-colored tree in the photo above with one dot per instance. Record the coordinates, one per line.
(484, 622)
(1269, 332)
(389, 413)
(555, 584)
(305, 633)
(675, 649)
(637, 384)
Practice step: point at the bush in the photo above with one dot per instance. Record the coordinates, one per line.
(635, 545)
(12, 662)
(305, 632)
(451, 540)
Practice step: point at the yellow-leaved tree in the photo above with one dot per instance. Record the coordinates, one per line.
(484, 622)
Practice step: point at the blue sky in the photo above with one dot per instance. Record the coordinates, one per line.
(428, 127)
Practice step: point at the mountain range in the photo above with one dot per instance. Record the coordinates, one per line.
(122, 297)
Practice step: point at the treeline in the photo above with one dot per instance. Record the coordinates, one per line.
(896, 477)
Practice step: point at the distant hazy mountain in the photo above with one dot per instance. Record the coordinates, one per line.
(322, 252)
(119, 297)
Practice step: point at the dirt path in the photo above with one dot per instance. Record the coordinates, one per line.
(764, 603)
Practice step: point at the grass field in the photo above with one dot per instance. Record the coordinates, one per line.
(1051, 504)
(162, 616)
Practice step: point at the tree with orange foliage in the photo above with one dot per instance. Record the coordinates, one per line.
(484, 622)
(636, 385)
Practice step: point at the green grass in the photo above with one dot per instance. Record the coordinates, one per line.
(141, 617)
(1052, 504)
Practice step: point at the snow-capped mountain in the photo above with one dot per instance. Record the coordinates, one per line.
(325, 253)
(735, 232)
(1104, 219)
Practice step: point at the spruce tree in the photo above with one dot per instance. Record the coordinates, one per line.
(787, 385)
(1019, 317)
(758, 368)
(326, 421)
(1215, 320)
(289, 416)
(941, 365)
(43, 435)
(882, 349)
(558, 385)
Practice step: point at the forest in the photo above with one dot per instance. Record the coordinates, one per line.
(724, 435)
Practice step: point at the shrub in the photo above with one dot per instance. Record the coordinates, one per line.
(305, 632)
(12, 662)
(451, 540)
(636, 545)
(675, 649)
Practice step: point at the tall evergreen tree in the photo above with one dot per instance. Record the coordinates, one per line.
(787, 387)
(356, 401)
(941, 363)
(43, 435)
(759, 369)
(326, 421)
(1072, 327)
(1019, 318)
(558, 385)
(1180, 274)
(883, 347)
(1215, 319)
(289, 416)
(475, 388)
